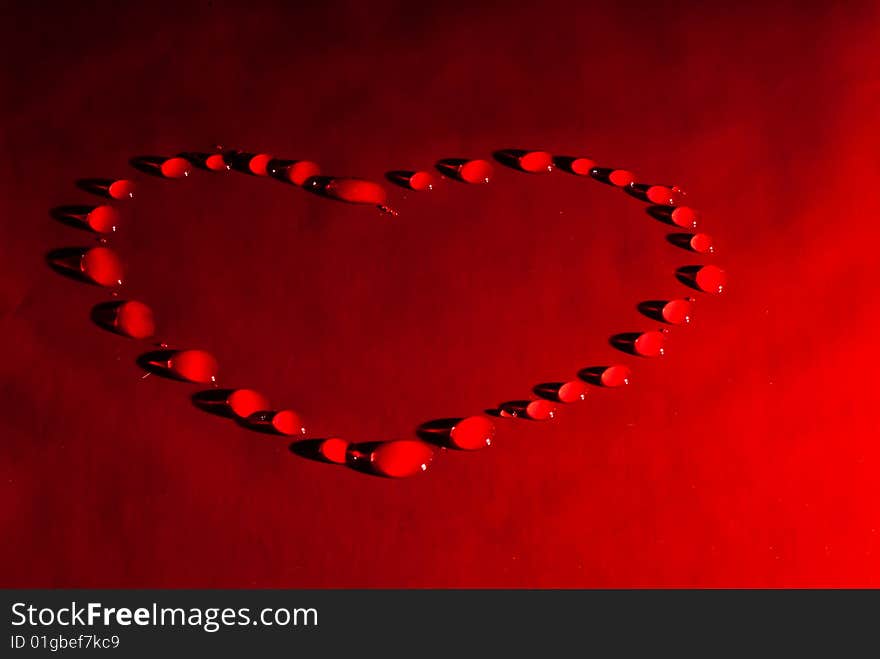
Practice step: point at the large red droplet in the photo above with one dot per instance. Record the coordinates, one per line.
(711, 279)
(401, 458)
(685, 216)
(288, 422)
(122, 189)
(217, 162)
(103, 219)
(259, 164)
(334, 450)
(176, 167)
(536, 162)
(677, 312)
(194, 365)
(621, 177)
(659, 194)
(476, 171)
(572, 392)
(356, 191)
(102, 265)
(582, 166)
(421, 181)
(472, 433)
(244, 402)
(301, 171)
(650, 344)
(702, 243)
(135, 319)
(615, 376)
(541, 410)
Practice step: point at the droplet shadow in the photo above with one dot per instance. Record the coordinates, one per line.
(66, 262)
(437, 431)
(96, 186)
(400, 177)
(310, 450)
(151, 165)
(653, 309)
(451, 168)
(682, 240)
(510, 158)
(602, 174)
(548, 391)
(592, 375)
(73, 216)
(625, 342)
(661, 213)
(566, 164)
(214, 401)
(103, 315)
(687, 275)
(157, 362)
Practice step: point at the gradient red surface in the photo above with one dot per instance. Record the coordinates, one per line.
(747, 456)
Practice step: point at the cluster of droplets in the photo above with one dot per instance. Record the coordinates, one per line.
(101, 265)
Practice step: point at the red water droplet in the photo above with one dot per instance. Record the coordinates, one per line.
(259, 164)
(650, 344)
(217, 163)
(711, 279)
(102, 265)
(194, 365)
(288, 422)
(401, 458)
(472, 433)
(476, 171)
(536, 162)
(572, 392)
(541, 410)
(615, 376)
(659, 194)
(582, 166)
(135, 319)
(122, 189)
(334, 450)
(421, 181)
(356, 191)
(176, 167)
(677, 312)
(244, 402)
(301, 171)
(103, 219)
(685, 216)
(702, 243)
(621, 178)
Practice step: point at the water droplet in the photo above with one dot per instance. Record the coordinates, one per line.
(475, 171)
(103, 219)
(536, 162)
(102, 265)
(334, 450)
(245, 402)
(572, 392)
(615, 376)
(677, 312)
(582, 166)
(621, 178)
(176, 167)
(134, 319)
(259, 164)
(472, 433)
(122, 189)
(685, 216)
(541, 410)
(288, 422)
(194, 365)
(659, 194)
(356, 191)
(702, 243)
(300, 171)
(217, 162)
(650, 344)
(711, 279)
(422, 181)
(401, 458)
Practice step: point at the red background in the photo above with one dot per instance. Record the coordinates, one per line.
(746, 457)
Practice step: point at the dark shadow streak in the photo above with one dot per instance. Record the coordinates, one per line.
(437, 431)
(592, 375)
(687, 275)
(653, 309)
(625, 342)
(66, 262)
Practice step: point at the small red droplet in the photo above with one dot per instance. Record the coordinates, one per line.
(194, 365)
(217, 163)
(582, 166)
(244, 402)
(401, 458)
(259, 164)
(421, 181)
(476, 171)
(176, 167)
(122, 189)
(536, 162)
(103, 219)
(650, 344)
(472, 433)
(621, 178)
(288, 422)
(301, 171)
(677, 312)
(702, 243)
(135, 319)
(356, 191)
(615, 376)
(711, 279)
(102, 265)
(685, 216)
(572, 392)
(334, 450)
(541, 410)
(659, 194)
